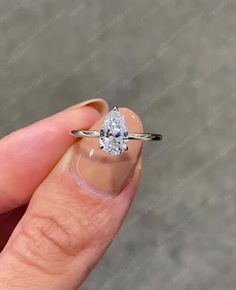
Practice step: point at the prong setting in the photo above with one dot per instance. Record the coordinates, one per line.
(126, 148)
(114, 135)
(102, 133)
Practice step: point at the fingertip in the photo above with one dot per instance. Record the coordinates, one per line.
(98, 104)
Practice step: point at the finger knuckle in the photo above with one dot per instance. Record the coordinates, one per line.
(44, 241)
(56, 235)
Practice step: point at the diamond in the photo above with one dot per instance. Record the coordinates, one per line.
(114, 134)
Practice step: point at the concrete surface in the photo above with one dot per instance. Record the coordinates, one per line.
(173, 62)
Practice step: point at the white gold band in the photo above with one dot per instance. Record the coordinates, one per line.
(130, 136)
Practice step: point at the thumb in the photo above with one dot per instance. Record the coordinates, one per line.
(73, 216)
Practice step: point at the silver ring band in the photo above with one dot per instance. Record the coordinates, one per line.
(114, 135)
(130, 136)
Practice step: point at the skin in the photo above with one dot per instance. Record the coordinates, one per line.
(58, 213)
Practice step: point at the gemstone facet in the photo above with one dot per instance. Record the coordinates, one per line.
(113, 134)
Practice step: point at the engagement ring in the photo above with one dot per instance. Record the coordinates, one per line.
(114, 134)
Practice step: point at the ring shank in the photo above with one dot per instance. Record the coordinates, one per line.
(88, 133)
(145, 136)
(131, 136)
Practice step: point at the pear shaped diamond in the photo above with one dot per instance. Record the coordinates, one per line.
(113, 133)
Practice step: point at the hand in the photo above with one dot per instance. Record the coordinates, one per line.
(77, 198)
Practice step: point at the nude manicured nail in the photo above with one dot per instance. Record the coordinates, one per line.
(100, 172)
(99, 104)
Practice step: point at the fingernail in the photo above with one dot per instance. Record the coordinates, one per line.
(99, 104)
(97, 171)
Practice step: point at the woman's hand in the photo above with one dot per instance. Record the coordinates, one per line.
(78, 197)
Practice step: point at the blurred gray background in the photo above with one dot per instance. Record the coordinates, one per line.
(172, 62)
